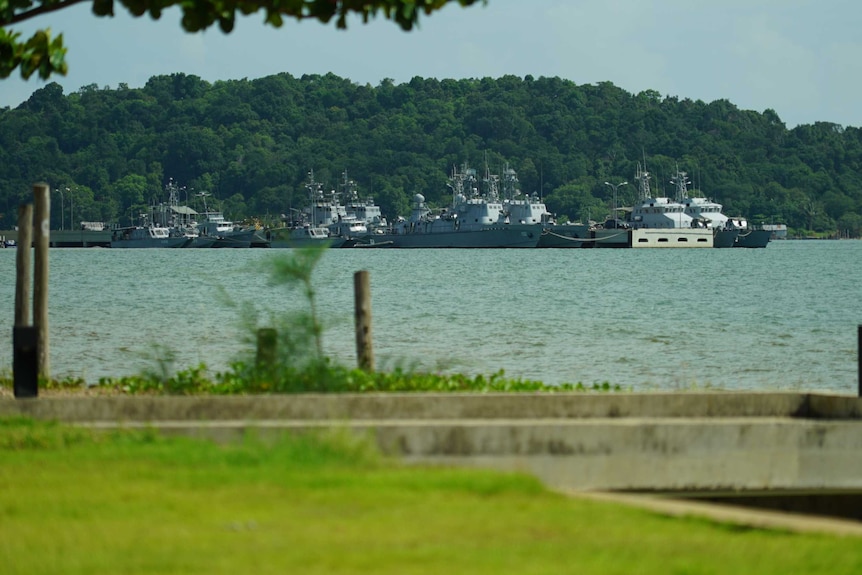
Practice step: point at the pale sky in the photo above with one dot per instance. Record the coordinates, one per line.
(802, 58)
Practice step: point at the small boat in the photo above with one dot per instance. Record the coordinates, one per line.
(778, 231)
(226, 234)
(148, 236)
(750, 236)
(196, 240)
(303, 236)
(222, 232)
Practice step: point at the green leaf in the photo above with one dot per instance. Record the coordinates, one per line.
(103, 7)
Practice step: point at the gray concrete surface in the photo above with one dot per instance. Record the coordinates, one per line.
(453, 406)
(656, 441)
(574, 442)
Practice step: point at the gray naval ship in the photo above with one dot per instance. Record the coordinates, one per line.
(472, 220)
(729, 232)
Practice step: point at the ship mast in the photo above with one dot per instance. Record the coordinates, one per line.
(510, 183)
(681, 181)
(642, 178)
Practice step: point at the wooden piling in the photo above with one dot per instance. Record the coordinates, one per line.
(362, 303)
(25, 361)
(25, 348)
(41, 241)
(23, 262)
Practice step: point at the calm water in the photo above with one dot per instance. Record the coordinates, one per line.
(784, 317)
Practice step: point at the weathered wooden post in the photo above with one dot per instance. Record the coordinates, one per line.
(25, 361)
(22, 263)
(362, 304)
(25, 356)
(41, 241)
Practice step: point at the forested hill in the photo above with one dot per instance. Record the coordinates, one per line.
(108, 153)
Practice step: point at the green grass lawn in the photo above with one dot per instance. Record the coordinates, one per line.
(76, 501)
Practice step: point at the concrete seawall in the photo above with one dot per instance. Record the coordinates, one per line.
(572, 441)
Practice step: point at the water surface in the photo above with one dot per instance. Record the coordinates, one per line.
(784, 317)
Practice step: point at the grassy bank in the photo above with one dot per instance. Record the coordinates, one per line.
(76, 501)
(319, 377)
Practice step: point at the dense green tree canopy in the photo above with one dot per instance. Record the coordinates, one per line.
(109, 152)
(46, 55)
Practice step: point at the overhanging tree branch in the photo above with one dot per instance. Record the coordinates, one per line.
(41, 53)
(40, 10)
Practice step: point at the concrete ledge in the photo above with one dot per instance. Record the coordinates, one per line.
(436, 406)
(581, 441)
(649, 454)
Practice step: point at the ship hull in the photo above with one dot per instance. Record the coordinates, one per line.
(566, 236)
(502, 236)
(725, 238)
(753, 239)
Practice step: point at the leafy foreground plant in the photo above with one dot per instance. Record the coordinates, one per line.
(73, 500)
(323, 377)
